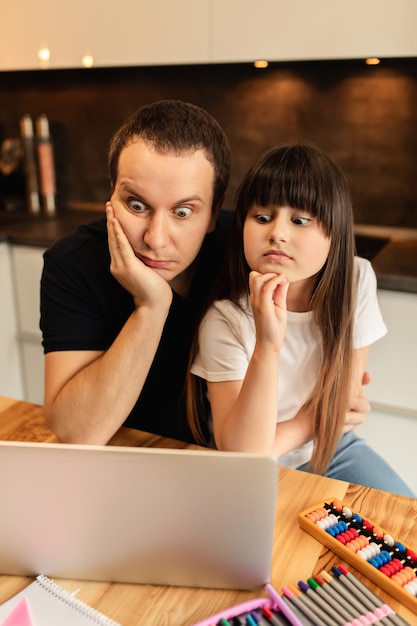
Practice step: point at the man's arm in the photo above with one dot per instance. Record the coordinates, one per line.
(359, 405)
(89, 394)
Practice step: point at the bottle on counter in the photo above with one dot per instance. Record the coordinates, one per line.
(46, 165)
(30, 165)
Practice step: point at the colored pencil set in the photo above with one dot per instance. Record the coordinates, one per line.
(338, 598)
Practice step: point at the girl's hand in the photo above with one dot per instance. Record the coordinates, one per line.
(145, 285)
(268, 296)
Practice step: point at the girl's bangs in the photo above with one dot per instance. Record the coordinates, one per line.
(283, 185)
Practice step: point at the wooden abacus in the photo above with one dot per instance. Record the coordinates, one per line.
(366, 546)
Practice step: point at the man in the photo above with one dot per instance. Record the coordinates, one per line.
(120, 297)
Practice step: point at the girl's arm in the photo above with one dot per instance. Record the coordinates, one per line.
(245, 412)
(262, 433)
(299, 430)
(263, 429)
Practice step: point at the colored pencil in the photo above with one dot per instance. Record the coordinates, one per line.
(307, 606)
(368, 597)
(325, 606)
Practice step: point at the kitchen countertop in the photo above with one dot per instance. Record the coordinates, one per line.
(395, 262)
(28, 230)
(393, 251)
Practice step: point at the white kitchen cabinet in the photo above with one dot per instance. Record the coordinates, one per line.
(161, 32)
(393, 436)
(278, 30)
(391, 427)
(392, 360)
(11, 383)
(27, 264)
(132, 32)
(166, 32)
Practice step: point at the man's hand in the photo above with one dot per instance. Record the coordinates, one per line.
(359, 407)
(143, 283)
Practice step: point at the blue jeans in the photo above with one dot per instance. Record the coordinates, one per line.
(355, 462)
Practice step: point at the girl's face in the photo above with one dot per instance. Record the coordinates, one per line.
(285, 241)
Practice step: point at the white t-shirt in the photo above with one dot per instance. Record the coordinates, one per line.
(227, 341)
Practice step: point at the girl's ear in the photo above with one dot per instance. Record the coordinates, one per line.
(215, 215)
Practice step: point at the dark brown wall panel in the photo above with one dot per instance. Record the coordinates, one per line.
(365, 117)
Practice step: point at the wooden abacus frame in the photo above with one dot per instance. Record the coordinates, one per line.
(371, 572)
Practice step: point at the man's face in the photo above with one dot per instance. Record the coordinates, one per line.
(164, 205)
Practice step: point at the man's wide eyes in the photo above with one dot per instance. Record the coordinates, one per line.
(139, 207)
(136, 205)
(183, 211)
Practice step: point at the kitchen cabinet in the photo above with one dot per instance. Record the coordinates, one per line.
(393, 436)
(163, 32)
(299, 30)
(129, 33)
(10, 365)
(27, 264)
(391, 427)
(392, 360)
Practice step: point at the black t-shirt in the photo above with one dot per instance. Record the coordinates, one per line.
(84, 308)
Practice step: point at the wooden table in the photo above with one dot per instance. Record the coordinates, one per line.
(296, 556)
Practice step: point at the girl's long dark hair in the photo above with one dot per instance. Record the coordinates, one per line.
(301, 176)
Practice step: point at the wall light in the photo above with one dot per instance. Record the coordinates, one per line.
(372, 61)
(260, 64)
(87, 60)
(44, 56)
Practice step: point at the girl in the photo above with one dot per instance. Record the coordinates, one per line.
(285, 340)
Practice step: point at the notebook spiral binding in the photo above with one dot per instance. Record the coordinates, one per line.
(95, 616)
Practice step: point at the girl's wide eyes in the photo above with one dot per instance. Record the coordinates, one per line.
(262, 218)
(301, 220)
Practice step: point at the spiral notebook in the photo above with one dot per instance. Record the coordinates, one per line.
(44, 603)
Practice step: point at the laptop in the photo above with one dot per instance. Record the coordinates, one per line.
(196, 518)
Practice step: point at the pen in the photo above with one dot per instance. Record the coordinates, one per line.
(282, 606)
(334, 589)
(368, 597)
(264, 621)
(302, 617)
(337, 619)
(356, 610)
(306, 606)
(366, 609)
(274, 620)
(337, 603)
